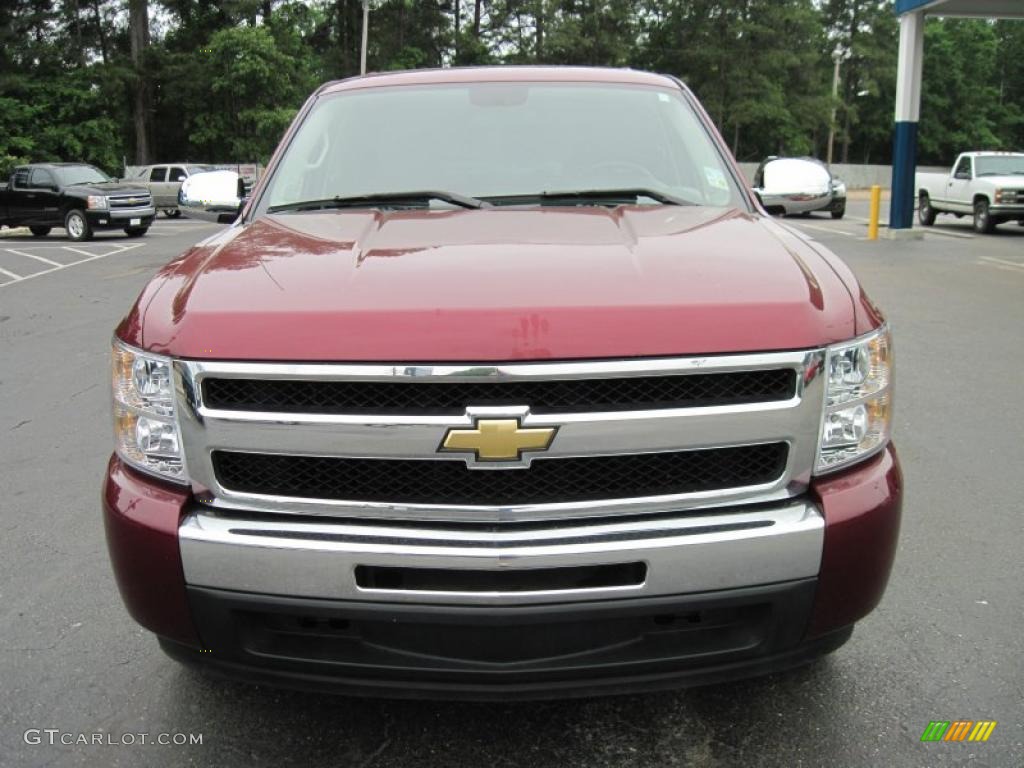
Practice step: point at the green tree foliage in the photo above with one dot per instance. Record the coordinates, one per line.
(223, 78)
(974, 100)
(755, 64)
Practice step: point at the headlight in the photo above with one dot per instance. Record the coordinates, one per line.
(858, 401)
(146, 433)
(1006, 195)
(96, 202)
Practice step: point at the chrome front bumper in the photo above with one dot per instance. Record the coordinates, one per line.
(683, 554)
(131, 213)
(1007, 209)
(797, 203)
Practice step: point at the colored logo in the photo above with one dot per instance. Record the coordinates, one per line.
(958, 730)
(492, 440)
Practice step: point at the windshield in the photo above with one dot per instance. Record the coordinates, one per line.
(1000, 165)
(81, 174)
(502, 142)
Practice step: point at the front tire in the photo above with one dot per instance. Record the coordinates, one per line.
(77, 226)
(839, 211)
(136, 231)
(925, 213)
(172, 213)
(983, 221)
(39, 231)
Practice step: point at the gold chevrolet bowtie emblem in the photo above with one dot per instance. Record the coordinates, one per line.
(498, 439)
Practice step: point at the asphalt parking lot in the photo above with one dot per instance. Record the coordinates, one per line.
(947, 642)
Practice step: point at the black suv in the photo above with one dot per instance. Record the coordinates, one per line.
(75, 196)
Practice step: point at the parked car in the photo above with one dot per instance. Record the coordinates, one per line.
(501, 385)
(986, 185)
(799, 185)
(164, 181)
(217, 196)
(76, 196)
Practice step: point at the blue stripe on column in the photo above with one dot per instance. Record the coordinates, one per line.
(904, 166)
(902, 6)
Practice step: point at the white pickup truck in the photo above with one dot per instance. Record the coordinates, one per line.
(987, 185)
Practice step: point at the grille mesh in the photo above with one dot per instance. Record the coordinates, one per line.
(546, 481)
(547, 396)
(131, 201)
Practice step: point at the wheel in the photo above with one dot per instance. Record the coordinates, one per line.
(77, 225)
(39, 231)
(172, 213)
(136, 231)
(925, 213)
(839, 211)
(983, 221)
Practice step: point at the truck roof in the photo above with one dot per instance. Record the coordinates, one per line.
(993, 153)
(186, 163)
(503, 74)
(51, 165)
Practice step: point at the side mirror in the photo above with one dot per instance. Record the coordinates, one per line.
(212, 196)
(962, 175)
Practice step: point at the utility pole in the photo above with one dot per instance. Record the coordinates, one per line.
(837, 56)
(366, 25)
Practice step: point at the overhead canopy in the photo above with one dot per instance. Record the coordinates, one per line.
(989, 9)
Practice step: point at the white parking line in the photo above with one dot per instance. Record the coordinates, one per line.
(944, 233)
(851, 219)
(830, 230)
(1003, 263)
(91, 257)
(79, 250)
(37, 258)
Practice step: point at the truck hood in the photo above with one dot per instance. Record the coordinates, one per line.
(1010, 182)
(109, 188)
(494, 285)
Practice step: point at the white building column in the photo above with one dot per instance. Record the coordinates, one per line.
(908, 113)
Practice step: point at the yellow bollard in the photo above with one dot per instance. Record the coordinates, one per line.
(876, 205)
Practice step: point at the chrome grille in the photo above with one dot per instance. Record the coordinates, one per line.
(631, 452)
(547, 481)
(140, 200)
(548, 396)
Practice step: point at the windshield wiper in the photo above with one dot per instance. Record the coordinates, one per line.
(631, 194)
(381, 199)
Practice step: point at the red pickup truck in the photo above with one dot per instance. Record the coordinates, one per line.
(502, 385)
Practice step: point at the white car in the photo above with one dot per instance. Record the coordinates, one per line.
(986, 185)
